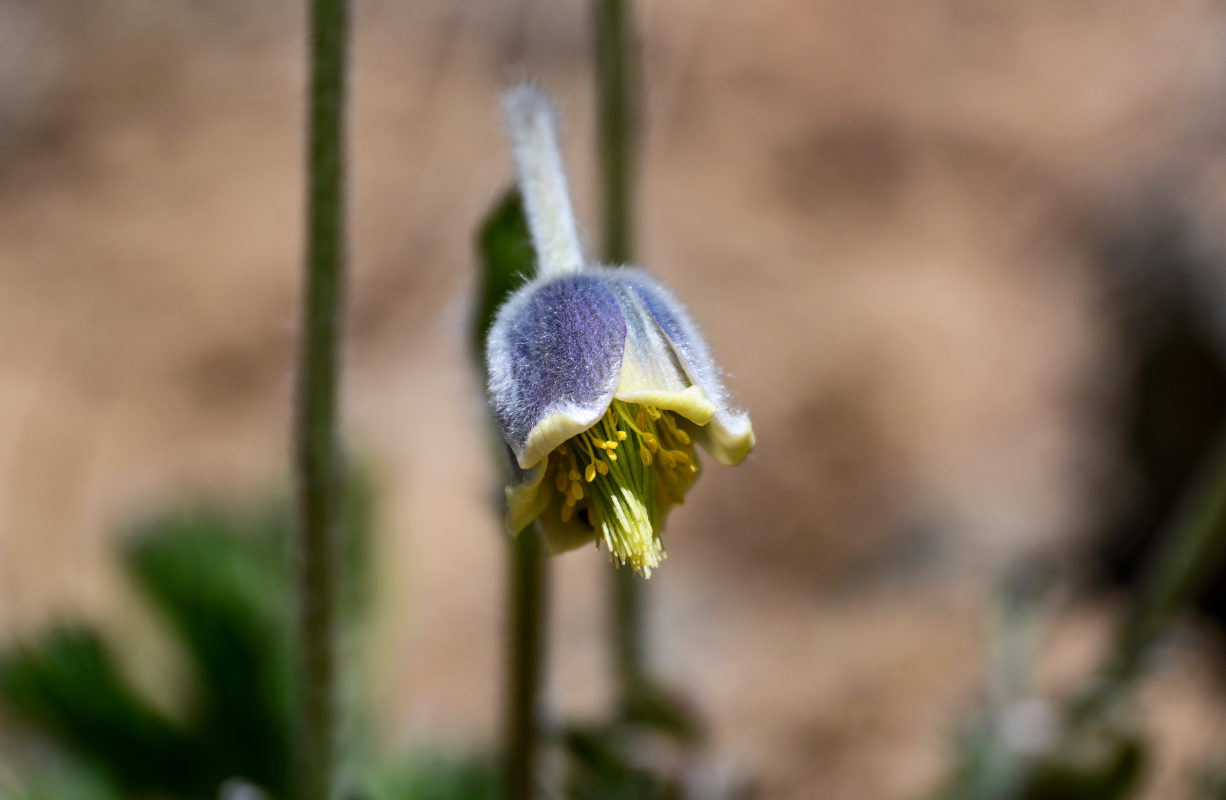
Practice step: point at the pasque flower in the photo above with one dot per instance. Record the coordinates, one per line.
(601, 382)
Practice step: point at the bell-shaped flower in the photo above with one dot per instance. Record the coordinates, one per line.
(600, 380)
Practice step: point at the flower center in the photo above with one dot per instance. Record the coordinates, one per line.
(624, 473)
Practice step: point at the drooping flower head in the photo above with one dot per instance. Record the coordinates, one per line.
(599, 379)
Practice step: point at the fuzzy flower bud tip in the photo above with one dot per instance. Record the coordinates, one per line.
(599, 379)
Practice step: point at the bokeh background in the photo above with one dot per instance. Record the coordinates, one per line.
(964, 262)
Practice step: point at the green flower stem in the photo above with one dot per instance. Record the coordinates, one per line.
(615, 130)
(316, 450)
(527, 630)
(615, 124)
(1194, 546)
(628, 658)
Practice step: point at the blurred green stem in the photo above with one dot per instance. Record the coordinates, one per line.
(504, 243)
(522, 737)
(1194, 546)
(316, 448)
(615, 124)
(615, 130)
(629, 660)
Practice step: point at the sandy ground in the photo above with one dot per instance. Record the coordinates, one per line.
(885, 213)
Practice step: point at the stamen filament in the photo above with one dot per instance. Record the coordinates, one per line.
(625, 500)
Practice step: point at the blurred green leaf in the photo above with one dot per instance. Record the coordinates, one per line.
(985, 768)
(600, 766)
(505, 248)
(66, 684)
(220, 581)
(1112, 775)
(655, 707)
(436, 777)
(1107, 767)
(59, 780)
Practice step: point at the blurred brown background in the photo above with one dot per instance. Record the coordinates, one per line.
(898, 220)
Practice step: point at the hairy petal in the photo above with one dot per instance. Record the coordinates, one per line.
(651, 373)
(728, 435)
(554, 354)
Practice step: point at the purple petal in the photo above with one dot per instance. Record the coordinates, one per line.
(554, 354)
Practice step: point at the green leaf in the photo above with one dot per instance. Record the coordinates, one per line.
(505, 249)
(430, 777)
(66, 684)
(220, 581)
(59, 779)
(600, 767)
(1114, 776)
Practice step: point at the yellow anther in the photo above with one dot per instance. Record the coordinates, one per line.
(626, 507)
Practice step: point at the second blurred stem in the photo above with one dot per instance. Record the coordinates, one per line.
(527, 642)
(613, 31)
(615, 125)
(627, 613)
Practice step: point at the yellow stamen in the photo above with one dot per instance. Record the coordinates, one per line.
(623, 502)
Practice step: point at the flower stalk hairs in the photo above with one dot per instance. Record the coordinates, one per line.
(599, 379)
